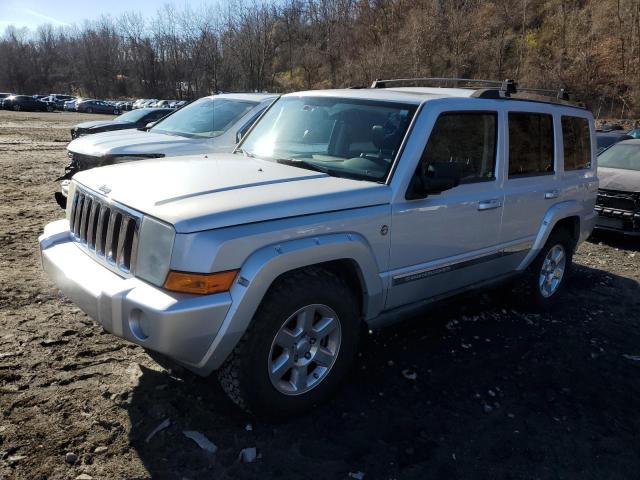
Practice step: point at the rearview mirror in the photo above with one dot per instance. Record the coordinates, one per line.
(435, 178)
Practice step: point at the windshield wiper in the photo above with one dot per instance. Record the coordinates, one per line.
(305, 164)
(244, 152)
(319, 168)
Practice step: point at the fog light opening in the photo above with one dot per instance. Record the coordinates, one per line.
(139, 324)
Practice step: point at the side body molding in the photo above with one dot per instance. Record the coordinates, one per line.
(556, 213)
(265, 265)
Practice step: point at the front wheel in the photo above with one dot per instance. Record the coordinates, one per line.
(300, 345)
(89, 110)
(16, 108)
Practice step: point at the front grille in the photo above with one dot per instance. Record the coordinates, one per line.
(617, 200)
(106, 231)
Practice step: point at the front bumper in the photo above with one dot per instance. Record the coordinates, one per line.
(624, 222)
(181, 326)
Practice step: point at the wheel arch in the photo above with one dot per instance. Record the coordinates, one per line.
(346, 254)
(564, 215)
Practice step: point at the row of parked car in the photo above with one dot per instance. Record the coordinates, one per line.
(53, 102)
(254, 235)
(155, 103)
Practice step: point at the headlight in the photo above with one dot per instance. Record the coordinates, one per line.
(132, 158)
(70, 193)
(155, 245)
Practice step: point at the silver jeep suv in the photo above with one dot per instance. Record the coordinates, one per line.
(339, 209)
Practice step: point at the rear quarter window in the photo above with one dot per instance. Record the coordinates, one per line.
(530, 144)
(576, 139)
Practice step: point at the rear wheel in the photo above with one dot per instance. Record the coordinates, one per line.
(89, 110)
(547, 275)
(16, 108)
(300, 345)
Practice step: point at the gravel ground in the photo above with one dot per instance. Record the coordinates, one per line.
(498, 392)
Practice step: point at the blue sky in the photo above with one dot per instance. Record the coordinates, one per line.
(31, 13)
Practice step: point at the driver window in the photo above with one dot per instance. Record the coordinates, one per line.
(467, 139)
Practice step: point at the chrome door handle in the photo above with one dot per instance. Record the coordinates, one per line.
(551, 194)
(489, 204)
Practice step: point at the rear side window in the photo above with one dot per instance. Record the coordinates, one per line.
(577, 143)
(530, 144)
(465, 138)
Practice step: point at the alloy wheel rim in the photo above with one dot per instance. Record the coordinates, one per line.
(304, 349)
(552, 271)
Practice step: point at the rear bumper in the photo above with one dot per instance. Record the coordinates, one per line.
(183, 327)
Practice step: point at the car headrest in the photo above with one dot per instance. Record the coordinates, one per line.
(377, 136)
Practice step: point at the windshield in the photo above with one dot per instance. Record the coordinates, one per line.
(622, 155)
(340, 136)
(605, 141)
(132, 116)
(635, 133)
(205, 118)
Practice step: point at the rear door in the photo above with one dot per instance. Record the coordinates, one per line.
(532, 183)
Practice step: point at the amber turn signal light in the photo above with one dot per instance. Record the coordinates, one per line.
(200, 283)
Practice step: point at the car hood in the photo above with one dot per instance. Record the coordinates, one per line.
(619, 179)
(100, 123)
(134, 141)
(195, 193)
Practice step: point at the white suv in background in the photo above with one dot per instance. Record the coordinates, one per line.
(208, 125)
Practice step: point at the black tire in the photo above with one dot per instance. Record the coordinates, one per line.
(534, 296)
(89, 110)
(16, 108)
(245, 377)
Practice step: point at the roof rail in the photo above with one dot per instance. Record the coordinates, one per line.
(468, 82)
(490, 89)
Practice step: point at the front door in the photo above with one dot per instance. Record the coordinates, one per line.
(450, 240)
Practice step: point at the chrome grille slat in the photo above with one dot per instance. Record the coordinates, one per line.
(122, 237)
(74, 205)
(133, 256)
(76, 220)
(106, 231)
(104, 211)
(91, 232)
(83, 219)
(108, 244)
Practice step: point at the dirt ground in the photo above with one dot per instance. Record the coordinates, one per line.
(500, 393)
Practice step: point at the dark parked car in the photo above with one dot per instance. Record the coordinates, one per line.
(133, 119)
(4, 95)
(97, 106)
(25, 102)
(618, 203)
(608, 138)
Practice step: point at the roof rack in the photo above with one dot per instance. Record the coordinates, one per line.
(494, 89)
